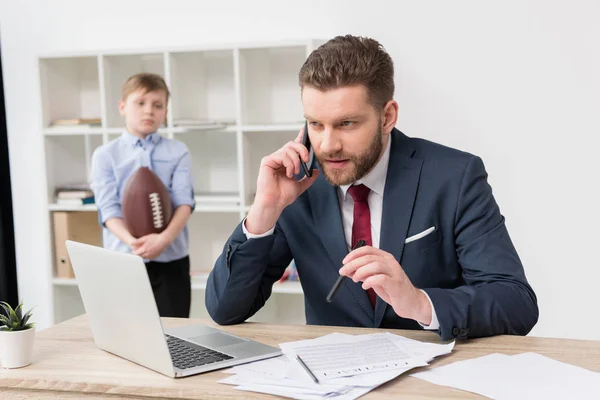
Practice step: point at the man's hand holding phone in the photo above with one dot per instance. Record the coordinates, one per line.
(276, 186)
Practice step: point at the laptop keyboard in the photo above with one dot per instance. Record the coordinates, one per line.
(189, 355)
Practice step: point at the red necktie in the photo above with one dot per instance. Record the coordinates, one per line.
(361, 225)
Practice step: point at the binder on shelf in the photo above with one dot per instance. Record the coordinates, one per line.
(79, 226)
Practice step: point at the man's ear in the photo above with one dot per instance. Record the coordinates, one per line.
(122, 108)
(389, 116)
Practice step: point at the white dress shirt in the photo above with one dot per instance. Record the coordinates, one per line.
(374, 180)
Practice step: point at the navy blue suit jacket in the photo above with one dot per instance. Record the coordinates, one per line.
(468, 266)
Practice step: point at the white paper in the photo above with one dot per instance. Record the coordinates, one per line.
(284, 376)
(321, 389)
(523, 376)
(276, 367)
(352, 355)
(280, 391)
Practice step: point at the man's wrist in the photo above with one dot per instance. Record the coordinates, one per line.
(424, 313)
(261, 219)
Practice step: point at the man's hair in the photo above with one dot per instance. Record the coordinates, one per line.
(348, 61)
(145, 81)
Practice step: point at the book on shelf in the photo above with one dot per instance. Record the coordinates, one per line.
(72, 186)
(77, 122)
(75, 201)
(74, 194)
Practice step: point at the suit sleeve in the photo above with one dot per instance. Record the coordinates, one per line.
(496, 297)
(243, 276)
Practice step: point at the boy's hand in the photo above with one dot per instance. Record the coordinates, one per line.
(149, 246)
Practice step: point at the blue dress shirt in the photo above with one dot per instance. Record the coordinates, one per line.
(113, 164)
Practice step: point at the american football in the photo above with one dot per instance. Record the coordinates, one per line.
(146, 204)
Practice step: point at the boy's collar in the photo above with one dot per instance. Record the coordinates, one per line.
(134, 140)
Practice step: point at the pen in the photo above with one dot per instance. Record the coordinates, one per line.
(340, 279)
(314, 378)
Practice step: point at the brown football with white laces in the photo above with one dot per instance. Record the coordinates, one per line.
(146, 204)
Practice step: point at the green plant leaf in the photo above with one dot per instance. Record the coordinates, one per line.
(14, 320)
(26, 317)
(19, 311)
(7, 308)
(13, 315)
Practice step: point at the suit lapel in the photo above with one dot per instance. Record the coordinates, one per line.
(401, 185)
(327, 219)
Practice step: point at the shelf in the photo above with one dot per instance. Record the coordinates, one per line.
(118, 131)
(203, 204)
(218, 202)
(69, 88)
(204, 128)
(202, 85)
(64, 207)
(205, 208)
(269, 84)
(200, 208)
(68, 159)
(231, 105)
(72, 130)
(217, 198)
(292, 127)
(214, 161)
(117, 69)
(64, 282)
(286, 287)
(199, 283)
(257, 146)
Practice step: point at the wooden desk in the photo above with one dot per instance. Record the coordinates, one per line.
(68, 365)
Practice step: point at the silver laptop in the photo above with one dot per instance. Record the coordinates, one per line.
(124, 319)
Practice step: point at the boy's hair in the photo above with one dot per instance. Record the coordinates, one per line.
(145, 81)
(348, 61)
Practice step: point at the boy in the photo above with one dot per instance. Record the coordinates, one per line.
(144, 106)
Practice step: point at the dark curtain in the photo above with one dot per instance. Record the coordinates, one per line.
(8, 264)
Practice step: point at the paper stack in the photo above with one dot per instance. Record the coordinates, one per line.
(522, 376)
(346, 366)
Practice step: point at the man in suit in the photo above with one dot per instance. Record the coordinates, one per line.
(438, 255)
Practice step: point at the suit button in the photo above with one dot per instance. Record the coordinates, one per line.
(464, 332)
(455, 331)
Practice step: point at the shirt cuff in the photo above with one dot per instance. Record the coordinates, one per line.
(106, 213)
(253, 236)
(435, 324)
(180, 199)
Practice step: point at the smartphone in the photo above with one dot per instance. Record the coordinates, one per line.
(310, 165)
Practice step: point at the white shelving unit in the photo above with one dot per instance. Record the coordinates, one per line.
(250, 90)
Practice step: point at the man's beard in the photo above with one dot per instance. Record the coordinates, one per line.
(359, 165)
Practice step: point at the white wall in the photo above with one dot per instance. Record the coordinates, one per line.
(516, 82)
